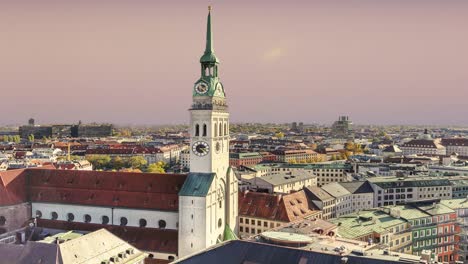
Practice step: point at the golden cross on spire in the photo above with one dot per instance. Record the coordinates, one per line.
(209, 8)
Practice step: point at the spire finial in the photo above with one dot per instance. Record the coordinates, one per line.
(209, 55)
(209, 39)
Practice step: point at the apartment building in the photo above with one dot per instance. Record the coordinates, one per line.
(395, 190)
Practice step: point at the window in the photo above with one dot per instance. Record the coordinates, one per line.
(87, 218)
(259, 223)
(123, 221)
(220, 222)
(204, 130)
(241, 220)
(197, 130)
(220, 129)
(38, 214)
(105, 219)
(2, 220)
(143, 222)
(162, 223)
(54, 216)
(247, 221)
(70, 217)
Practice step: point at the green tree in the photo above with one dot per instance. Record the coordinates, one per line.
(279, 135)
(117, 163)
(31, 138)
(157, 167)
(137, 162)
(6, 139)
(99, 162)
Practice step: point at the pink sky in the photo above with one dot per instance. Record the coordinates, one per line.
(134, 62)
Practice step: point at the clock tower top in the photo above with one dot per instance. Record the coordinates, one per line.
(209, 84)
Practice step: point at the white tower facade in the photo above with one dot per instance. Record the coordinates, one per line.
(208, 199)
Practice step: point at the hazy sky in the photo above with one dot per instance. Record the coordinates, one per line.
(135, 61)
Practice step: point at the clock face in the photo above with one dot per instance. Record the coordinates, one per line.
(200, 148)
(201, 88)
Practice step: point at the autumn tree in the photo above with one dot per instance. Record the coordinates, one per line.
(99, 162)
(157, 167)
(137, 162)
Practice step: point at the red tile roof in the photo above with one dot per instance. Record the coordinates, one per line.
(121, 189)
(283, 208)
(12, 187)
(146, 239)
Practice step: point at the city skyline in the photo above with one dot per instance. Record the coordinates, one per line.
(379, 63)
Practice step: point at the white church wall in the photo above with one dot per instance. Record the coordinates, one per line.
(96, 214)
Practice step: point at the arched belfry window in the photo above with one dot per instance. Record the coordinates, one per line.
(225, 129)
(197, 130)
(204, 130)
(220, 129)
(215, 129)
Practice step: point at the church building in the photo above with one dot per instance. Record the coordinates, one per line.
(167, 215)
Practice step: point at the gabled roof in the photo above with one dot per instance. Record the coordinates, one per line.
(357, 187)
(12, 187)
(116, 189)
(282, 208)
(197, 184)
(335, 189)
(318, 194)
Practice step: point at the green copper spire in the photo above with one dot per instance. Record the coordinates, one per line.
(209, 56)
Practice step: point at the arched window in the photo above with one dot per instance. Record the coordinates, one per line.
(220, 129)
(70, 217)
(204, 130)
(54, 216)
(38, 214)
(123, 221)
(197, 130)
(220, 222)
(225, 129)
(87, 218)
(143, 222)
(162, 224)
(105, 219)
(2, 220)
(215, 130)
(207, 71)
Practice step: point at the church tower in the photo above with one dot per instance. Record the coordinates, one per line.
(208, 198)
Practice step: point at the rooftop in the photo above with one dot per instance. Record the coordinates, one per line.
(364, 223)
